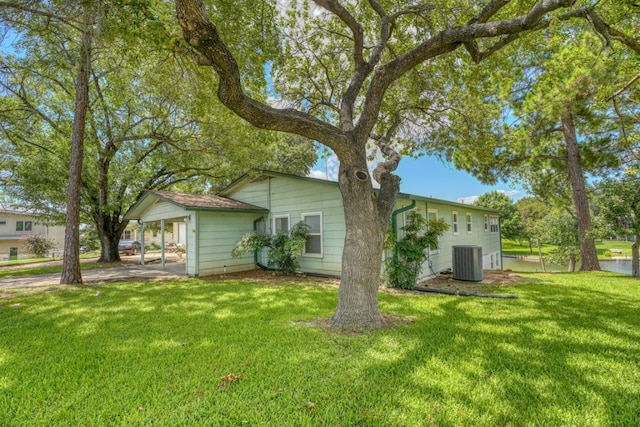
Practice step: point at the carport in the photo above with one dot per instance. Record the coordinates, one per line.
(210, 224)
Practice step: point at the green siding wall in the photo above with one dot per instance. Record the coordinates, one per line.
(442, 258)
(163, 210)
(217, 235)
(294, 197)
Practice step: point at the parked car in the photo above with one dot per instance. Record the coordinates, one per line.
(129, 247)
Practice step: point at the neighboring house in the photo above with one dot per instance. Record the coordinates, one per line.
(153, 236)
(15, 226)
(274, 202)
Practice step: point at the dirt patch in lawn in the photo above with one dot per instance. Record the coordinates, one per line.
(275, 278)
(492, 280)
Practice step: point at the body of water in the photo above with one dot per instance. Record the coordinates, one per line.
(516, 264)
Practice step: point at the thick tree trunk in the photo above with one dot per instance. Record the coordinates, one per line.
(109, 233)
(71, 261)
(362, 254)
(635, 258)
(588, 251)
(544, 269)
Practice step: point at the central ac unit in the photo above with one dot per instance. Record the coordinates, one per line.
(467, 263)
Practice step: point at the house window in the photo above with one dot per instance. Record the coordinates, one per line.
(469, 223)
(432, 215)
(24, 225)
(126, 235)
(486, 223)
(313, 246)
(154, 233)
(2, 222)
(280, 224)
(454, 222)
(494, 224)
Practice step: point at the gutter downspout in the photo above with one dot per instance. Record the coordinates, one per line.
(500, 240)
(255, 228)
(394, 226)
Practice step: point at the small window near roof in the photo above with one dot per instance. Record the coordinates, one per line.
(454, 222)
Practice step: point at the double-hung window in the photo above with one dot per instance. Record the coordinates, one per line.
(313, 246)
(469, 223)
(454, 222)
(24, 225)
(486, 223)
(280, 224)
(494, 224)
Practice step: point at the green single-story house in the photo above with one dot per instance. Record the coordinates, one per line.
(273, 202)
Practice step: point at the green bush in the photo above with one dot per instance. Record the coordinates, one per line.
(411, 252)
(284, 249)
(38, 245)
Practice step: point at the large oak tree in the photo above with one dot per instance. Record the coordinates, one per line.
(356, 72)
(140, 133)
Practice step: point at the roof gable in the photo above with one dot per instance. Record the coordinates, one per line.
(191, 202)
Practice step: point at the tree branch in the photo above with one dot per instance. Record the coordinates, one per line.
(202, 34)
(24, 7)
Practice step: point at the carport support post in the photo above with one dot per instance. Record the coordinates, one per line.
(162, 241)
(142, 243)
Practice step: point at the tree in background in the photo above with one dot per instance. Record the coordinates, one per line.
(619, 204)
(548, 123)
(560, 228)
(352, 76)
(141, 133)
(510, 223)
(532, 211)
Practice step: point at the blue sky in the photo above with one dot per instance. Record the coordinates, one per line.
(429, 176)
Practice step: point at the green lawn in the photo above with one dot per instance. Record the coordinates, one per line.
(200, 352)
(28, 270)
(603, 247)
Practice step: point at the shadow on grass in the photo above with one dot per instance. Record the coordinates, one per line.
(156, 352)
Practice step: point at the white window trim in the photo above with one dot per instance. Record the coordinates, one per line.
(321, 254)
(468, 220)
(24, 225)
(486, 222)
(455, 222)
(273, 222)
(496, 223)
(434, 251)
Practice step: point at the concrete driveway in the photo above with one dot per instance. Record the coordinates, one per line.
(101, 275)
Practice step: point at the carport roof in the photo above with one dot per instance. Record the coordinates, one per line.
(192, 202)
